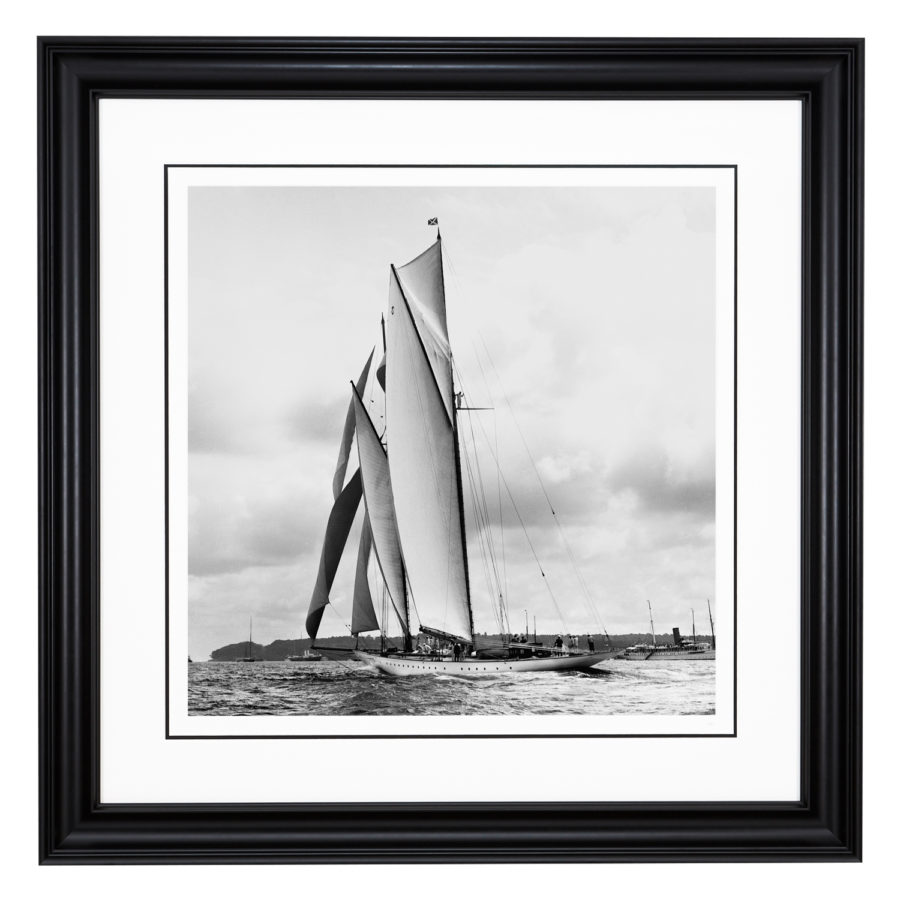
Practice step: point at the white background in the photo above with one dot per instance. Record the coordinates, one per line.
(17, 358)
(137, 763)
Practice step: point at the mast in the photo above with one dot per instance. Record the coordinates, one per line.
(693, 626)
(407, 635)
(652, 630)
(407, 632)
(459, 489)
(250, 644)
(712, 627)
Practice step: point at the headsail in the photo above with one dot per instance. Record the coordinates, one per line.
(376, 479)
(347, 437)
(422, 448)
(363, 617)
(339, 522)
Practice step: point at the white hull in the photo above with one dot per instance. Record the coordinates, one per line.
(409, 665)
(664, 656)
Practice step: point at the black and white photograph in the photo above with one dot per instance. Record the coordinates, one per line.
(450, 442)
(450, 449)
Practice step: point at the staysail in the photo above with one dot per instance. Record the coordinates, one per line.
(340, 520)
(363, 617)
(376, 480)
(339, 523)
(422, 447)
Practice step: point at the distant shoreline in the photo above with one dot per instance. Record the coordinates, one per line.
(280, 649)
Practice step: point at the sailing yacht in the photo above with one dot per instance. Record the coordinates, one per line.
(250, 657)
(410, 481)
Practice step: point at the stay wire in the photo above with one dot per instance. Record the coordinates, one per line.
(568, 547)
(522, 525)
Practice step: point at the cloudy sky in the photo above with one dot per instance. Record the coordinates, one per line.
(597, 306)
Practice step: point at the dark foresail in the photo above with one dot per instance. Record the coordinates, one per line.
(339, 522)
(347, 437)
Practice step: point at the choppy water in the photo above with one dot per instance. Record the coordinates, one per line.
(615, 687)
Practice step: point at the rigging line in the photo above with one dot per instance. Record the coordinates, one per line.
(478, 482)
(579, 576)
(340, 617)
(478, 529)
(504, 592)
(527, 535)
(458, 287)
(497, 458)
(481, 548)
(477, 516)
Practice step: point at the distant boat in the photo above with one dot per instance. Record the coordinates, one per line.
(249, 657)
(189, 660)
(680, 649)
(306, 656)
(413, 491)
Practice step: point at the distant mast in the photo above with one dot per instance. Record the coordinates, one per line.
(693, 626)
(712, 627)
(652, 629)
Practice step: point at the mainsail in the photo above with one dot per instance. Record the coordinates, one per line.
(376, 480)
(422, 447)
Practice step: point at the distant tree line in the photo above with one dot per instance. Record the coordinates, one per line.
(280, 649)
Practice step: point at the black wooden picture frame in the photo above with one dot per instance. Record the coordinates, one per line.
(826, 75)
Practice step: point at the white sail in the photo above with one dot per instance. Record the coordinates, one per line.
(422, 454)
(376, 479)
(422, 281)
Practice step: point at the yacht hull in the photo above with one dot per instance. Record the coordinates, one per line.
(667, 656)
(397, 664)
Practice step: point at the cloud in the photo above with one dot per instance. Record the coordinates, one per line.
(252, 511)
(660, 484)
(318, 420)
(598, 307)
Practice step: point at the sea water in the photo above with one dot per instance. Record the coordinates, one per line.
(614, 687)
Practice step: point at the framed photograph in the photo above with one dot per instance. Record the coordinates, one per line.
(450, 449)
